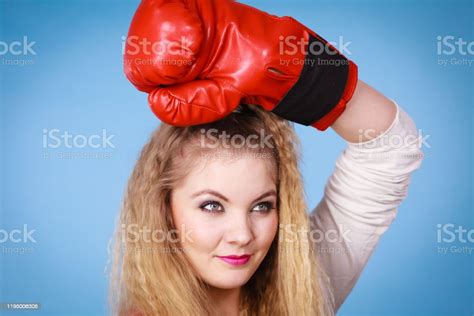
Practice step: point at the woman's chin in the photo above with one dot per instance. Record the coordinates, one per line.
(230, 279)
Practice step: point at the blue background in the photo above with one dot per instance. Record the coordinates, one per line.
(75, 83)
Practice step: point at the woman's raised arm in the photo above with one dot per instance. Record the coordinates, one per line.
(369, 182)
(368, 114)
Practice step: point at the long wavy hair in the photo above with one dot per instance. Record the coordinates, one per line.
(155, 278)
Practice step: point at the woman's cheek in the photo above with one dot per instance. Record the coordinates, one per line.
(193, 225)
(202, 233)
(267, 229)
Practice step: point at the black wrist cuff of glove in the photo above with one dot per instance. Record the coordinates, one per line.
(319, 88)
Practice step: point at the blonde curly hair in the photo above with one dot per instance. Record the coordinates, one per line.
(289, 281)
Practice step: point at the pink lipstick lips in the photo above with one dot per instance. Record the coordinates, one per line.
(235, 260)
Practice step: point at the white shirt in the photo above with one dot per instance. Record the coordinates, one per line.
(360, 201)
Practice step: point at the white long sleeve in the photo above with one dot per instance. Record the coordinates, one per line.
(360, 201)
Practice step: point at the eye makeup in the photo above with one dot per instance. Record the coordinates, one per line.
(212, 206)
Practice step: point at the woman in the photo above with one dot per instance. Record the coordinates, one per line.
(209, 228)
(159, 277)
(243, 195)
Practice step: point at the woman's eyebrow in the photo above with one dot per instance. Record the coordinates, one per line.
(209, 191)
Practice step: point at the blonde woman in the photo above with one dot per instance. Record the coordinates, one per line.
(214, 220)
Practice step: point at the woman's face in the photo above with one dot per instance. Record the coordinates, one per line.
(226, 208)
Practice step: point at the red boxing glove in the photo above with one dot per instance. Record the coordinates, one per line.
(199, 59)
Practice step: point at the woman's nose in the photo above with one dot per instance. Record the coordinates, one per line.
(239, 229)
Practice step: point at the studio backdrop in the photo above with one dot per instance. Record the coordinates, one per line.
(72, 126)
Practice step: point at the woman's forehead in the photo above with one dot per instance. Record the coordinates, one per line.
(233, 173)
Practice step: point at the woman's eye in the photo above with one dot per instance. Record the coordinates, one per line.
(212, 207)
(264, 207)
(216, 207)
